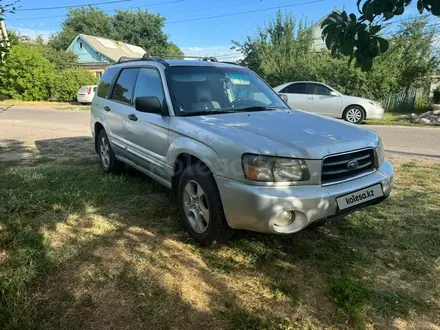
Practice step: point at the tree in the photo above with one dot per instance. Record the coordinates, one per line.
(88, 20)
(417, 60)
(140, 28)
(27, 75)
(358, 37)
(280, 51)
(68, 82)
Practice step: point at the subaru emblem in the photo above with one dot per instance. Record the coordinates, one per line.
(352, 164)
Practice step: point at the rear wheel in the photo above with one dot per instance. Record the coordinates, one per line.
(109, 163)
(201, 210)
(354, 114)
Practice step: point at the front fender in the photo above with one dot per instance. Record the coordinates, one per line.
(186, 145)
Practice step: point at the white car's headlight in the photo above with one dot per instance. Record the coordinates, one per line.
(274, 169)
(376, 104)
(380, 152)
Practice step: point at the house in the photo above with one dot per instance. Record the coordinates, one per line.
(435, 83)
(96, 53)
(319, 44)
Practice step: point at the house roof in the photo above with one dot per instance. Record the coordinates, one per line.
(112, 49)
(322, 19)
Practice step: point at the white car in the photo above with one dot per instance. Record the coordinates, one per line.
(325, 100)
(86, 94)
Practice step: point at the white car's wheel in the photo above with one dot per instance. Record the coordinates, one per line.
(354, 114)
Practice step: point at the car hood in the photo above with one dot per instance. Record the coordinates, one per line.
(288, 133)
(356, 99)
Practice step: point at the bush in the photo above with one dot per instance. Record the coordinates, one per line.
(436, 98)
(27, 75)
(68, 82)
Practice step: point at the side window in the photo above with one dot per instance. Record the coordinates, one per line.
(123, 90)
(297, 88)
(149, 84)
(318, 89)
(106, 81)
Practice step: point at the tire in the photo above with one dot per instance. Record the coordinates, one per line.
(209, 226)
(354, 114)
(107, 157)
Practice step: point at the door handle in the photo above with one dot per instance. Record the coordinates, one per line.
(107, 108)
(132, 117)
(311, 98)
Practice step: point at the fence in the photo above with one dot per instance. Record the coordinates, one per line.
(397, 101)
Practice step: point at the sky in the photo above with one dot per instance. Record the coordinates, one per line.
(189, 23)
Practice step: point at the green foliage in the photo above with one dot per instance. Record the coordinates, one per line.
(436, 98)
(358, 37)
(68, 82)
(27, 75)
(282, 51)
(140, 28)
(40, 73)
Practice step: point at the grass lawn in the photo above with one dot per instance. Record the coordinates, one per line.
(80, 250)
(390, 118)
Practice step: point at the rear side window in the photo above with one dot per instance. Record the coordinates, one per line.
(298, 88)
(149, 84)
(124, 86)
(105, 83)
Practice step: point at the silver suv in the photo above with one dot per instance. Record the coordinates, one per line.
(233, 153)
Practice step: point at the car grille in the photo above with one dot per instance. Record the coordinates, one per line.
(345, 166)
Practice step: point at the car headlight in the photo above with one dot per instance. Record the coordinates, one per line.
(274, 169)
(376, 104)
(380, 152)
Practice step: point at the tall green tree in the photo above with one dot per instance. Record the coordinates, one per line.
(140, 28)
(418, 58)
(87, 20)
(358, 37)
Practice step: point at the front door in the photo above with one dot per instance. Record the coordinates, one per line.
(322, 101)
(148, 132)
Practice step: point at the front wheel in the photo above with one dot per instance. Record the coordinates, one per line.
(200, 206)
(354, 115)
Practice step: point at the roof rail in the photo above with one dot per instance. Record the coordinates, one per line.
(148, 57)
(127, 59)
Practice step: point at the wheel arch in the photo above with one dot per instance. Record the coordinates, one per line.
(98, 127)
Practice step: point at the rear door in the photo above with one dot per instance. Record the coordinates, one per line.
(119, 106)
(296, 95)
(322, 101)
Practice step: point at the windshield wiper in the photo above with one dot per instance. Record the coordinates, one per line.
(256, 108)
(206, 112)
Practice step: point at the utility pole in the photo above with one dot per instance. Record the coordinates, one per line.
(4, 40)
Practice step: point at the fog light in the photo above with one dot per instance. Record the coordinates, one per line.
(284, 219)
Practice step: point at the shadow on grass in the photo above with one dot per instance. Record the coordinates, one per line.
(80, 249)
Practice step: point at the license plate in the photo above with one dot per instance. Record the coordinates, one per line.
(359, 197)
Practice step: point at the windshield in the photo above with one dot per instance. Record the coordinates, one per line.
(212, 90)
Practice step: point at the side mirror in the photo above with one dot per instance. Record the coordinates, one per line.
(333, 93)
(150, 104)
(284, 97)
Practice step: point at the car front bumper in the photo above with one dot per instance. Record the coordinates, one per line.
(373, 112)
(257, 207)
